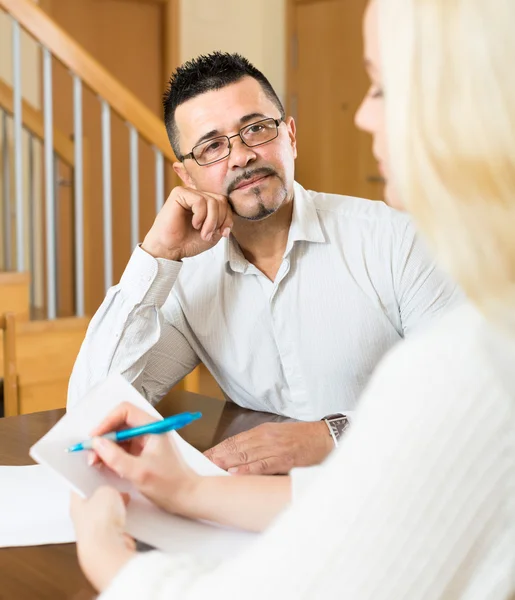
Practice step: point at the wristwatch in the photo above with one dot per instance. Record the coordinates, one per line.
(337, 424)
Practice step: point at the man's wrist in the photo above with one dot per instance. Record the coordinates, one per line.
(324, 436)
(157, 250)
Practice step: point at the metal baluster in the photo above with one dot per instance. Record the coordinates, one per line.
(78, 197)
(6, 194)
(18, 155)
(57, 229)
(32, 222)
(160, 176)
(49, 185)
(134, 168)
(107, 195)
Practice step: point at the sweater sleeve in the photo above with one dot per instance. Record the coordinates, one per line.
(411, 506)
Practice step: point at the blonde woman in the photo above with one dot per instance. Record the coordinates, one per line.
(419, 501)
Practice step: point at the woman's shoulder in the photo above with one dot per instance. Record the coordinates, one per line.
(449, 367)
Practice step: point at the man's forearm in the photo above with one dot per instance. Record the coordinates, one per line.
(126, 326)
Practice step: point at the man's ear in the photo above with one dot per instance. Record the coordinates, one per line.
(292, 133)
(181, 171)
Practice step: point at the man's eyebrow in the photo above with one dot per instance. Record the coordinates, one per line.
(215, 132)
(207, 136)
(251, 116)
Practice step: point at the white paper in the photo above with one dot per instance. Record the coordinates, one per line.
(145, 521)
(33, 507)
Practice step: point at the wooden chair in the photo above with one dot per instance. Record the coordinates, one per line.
(41, 355)
(38, 357)
(8, 327)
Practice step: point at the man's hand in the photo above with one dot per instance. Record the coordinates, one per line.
(189, 223)
(273, 448)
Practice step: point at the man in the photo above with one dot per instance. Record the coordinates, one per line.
(291, 310)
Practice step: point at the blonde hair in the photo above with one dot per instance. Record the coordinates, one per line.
(449, 76)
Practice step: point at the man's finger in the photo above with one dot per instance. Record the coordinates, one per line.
(199, 210)
(273, 465)
(228, 447)
(224, 216)
(210, 225)
(237, 450)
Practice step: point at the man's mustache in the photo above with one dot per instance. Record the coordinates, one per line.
(247, 175)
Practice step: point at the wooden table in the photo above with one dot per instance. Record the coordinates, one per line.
(53, 571)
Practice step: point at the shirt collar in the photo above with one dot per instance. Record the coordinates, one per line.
(305, 224)
(234, 259)
(305, 227)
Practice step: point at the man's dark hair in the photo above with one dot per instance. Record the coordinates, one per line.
(203, 74)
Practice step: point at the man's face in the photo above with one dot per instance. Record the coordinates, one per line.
(258, 180)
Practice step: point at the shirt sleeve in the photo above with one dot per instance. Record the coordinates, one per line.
(129, 334)
(424, 292)
(405, 509)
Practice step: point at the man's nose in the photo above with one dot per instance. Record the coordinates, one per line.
(241, 155)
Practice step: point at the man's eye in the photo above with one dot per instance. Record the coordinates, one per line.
(212, 147)
(256, 128)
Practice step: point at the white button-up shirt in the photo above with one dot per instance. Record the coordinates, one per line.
(354, 280)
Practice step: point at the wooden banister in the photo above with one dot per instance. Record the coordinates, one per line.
(32, 120)
(92, 73)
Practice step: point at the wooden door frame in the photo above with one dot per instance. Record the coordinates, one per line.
(289, 40)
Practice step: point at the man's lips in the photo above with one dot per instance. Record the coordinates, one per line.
(250, 182)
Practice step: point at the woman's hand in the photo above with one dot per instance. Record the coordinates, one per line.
(103, 547)
(155, 467)
(151, 463)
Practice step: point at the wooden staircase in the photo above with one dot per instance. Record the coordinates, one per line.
(46, 350)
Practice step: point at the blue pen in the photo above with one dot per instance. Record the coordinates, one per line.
(168, 424)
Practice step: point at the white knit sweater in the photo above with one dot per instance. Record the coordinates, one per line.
(418, 503)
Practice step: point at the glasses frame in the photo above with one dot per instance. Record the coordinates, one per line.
(230, 137)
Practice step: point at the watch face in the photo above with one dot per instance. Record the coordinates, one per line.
(338, 426)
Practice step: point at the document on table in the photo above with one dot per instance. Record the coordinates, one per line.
(34, 506)
(145, 521)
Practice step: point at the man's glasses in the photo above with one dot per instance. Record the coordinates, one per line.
(220, 147)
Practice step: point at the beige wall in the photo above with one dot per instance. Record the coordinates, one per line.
(30, 61)
(254, 28)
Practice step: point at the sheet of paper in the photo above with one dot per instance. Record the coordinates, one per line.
(34, 506)
(145, 521)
